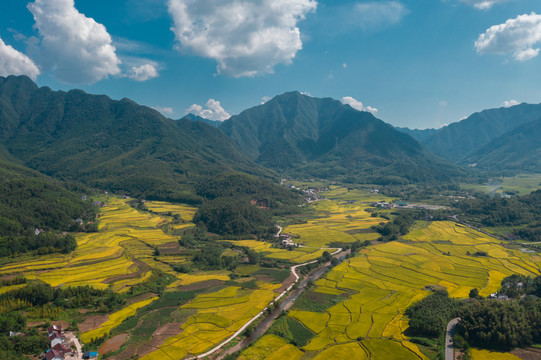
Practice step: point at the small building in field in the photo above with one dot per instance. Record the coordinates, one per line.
(90, 355)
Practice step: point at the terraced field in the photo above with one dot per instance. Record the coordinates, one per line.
(119, 255)
(367, 294)
(341, 218)
(299, 255)
(373, 290)
(122, 254)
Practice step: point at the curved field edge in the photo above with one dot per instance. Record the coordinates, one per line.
(377, 286)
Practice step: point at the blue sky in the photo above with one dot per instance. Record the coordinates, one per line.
(415, 63)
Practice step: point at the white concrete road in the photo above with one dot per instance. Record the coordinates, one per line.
(71, 338)
(449, 347)
(231, 338)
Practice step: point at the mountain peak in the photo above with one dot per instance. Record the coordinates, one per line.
(322, 137)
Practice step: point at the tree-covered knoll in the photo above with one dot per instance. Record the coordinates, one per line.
(36, 294)
(522, 213)
(399, 226)
(489, 323)
(241, 205)
(429, 317)
(30, 201)
(243, 186)
(228, 216)
(501, 325)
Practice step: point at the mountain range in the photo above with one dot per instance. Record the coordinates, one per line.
(113, 145)
(302, 135)
(125, 147)
(495, 139)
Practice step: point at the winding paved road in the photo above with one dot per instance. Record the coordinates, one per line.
(449, 348)
(289, 300)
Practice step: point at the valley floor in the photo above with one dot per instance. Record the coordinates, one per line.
(356, 310)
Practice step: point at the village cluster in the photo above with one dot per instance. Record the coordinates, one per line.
(65, 346)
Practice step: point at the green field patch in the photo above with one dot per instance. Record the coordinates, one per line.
(247, 269)
(276, 275)
(152, 322)
(316, 302)
(292, 330)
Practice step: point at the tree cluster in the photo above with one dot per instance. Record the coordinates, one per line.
(521, 212)
(229, 216)
(40, 294)
(429, 317)
(501, 325)
(392, 230)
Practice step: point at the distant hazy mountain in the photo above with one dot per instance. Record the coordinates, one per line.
(325, 138)
(518, 150)
(116, 145)
(458, 140)
(419, 135)
(194, 117)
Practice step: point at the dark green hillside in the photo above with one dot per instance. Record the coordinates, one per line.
(520, 215)
(240, 204)
(239, 185)
(458, 140)
(29, 200)
(518, 151)
(115, 145)
(308, 136)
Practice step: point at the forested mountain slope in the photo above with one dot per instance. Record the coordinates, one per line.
(309, 136)
(115, 145)
(518, 151)
(459, 140)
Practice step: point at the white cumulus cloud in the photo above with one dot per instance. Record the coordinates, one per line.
(75, 48)
(245, 37)
(518, 36)
(356, 104)
(143, 72)
(377, 14)
(482, 4)
(510, 103)
(13, 62)
(265, 99)
(212, 110)
(164, 110)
